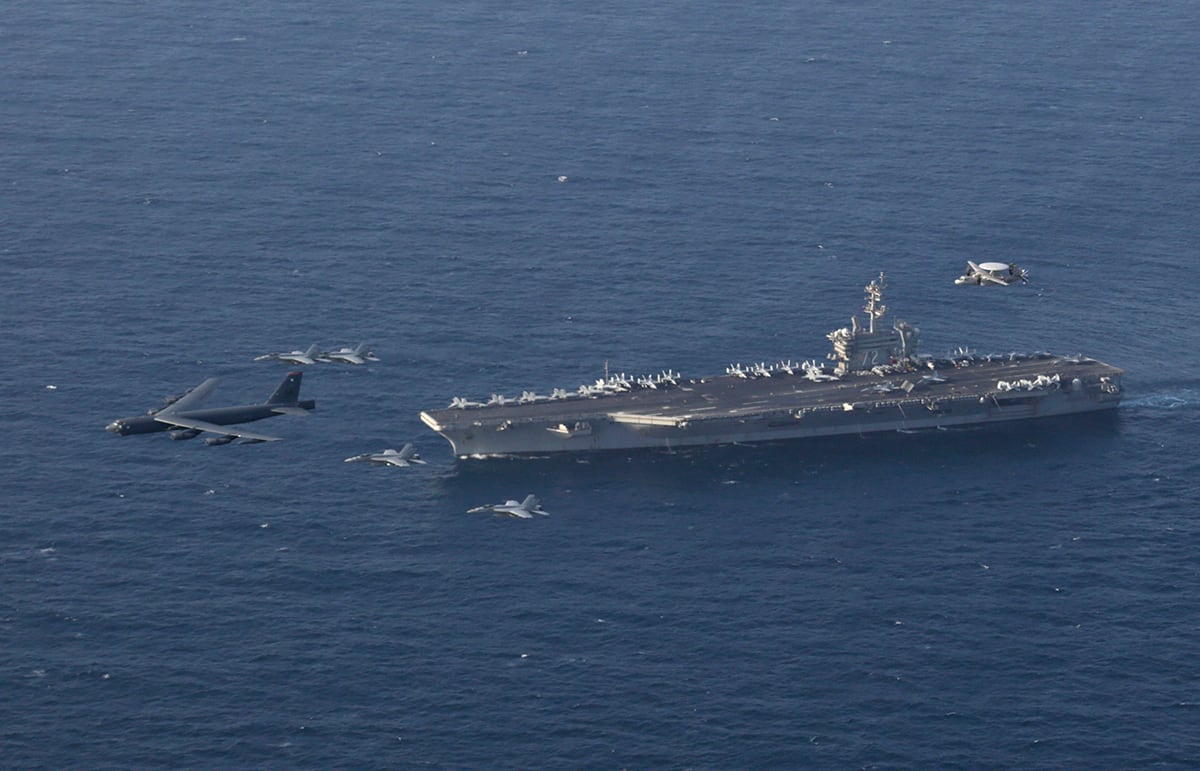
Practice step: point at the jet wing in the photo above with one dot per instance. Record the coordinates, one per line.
(191, 398)
(202, 425)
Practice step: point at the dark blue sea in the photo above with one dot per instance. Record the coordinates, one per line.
(502, 196)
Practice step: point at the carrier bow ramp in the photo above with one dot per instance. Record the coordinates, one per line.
(876, 381)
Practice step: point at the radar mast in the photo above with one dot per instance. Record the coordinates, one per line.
(856, 349)
(874, 307)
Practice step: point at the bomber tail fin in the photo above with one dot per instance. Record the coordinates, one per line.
(288, 391)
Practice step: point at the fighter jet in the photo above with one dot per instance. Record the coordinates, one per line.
(989, 273)
(815, 372)
(405, 457)
(510, 508)
(182, 420)
(311, 356)
(356, 355)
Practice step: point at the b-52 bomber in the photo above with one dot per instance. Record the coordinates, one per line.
(181, 418)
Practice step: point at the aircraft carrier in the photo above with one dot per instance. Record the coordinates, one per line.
(875, 380)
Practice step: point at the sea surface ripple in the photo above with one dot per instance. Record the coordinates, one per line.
(510, 196)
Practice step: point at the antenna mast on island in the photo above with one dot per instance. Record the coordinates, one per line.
(875, 307)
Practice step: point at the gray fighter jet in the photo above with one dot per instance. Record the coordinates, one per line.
(522, 510)
(359, 354)
(181, 419)
(405, 457)
(311, 356)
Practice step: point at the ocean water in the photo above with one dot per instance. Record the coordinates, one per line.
(510, 196)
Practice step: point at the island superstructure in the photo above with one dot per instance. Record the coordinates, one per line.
(878, 381)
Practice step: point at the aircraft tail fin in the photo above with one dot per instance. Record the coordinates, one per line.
(288, 391)
(531, 502)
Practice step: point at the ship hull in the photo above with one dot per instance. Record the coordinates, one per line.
(729, 409)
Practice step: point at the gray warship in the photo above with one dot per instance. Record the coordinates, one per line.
(875, 380)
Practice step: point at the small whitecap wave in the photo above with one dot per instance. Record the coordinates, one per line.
(1171, 401)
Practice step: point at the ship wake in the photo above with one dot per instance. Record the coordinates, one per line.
(1173, 400)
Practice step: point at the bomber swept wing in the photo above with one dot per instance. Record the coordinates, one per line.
(190, 398)
(172, 414)
(213, 428)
